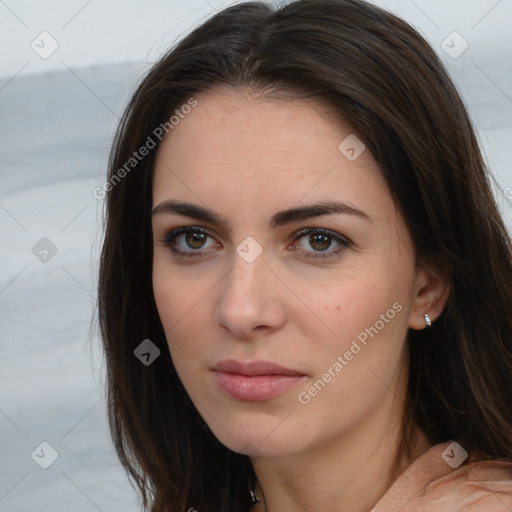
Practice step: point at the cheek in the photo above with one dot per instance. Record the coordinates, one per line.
(184, 309)
(176, 291)
(363, 318)
(357, 363)
(177, 314)
(172, 297)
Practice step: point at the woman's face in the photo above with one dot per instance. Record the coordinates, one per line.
(286, 321)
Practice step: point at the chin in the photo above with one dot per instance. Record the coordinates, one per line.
(257, 437)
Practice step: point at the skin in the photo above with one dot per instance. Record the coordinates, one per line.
(247, 157)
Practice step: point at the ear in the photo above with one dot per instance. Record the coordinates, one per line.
(431, 291)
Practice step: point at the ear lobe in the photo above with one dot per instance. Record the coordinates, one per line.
(431, 293)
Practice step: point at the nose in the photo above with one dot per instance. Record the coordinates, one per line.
(250, 299)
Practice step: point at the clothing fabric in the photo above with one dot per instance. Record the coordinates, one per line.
(436, 483)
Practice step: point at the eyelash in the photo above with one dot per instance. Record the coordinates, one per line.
(315, 255)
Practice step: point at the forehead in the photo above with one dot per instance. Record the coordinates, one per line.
(262, 151)
(241, 122)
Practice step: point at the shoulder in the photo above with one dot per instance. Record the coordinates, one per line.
(444, 480)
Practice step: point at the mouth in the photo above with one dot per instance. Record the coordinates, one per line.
(256, 380)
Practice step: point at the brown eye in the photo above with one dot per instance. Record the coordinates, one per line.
(195, 240)
(190, 241)
(320, 242)
(317, 243)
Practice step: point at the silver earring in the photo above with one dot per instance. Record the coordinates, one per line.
(428, 322)
(254, 499)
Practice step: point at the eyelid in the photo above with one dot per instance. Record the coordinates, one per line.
(172, 233)
(337, 236)
(343, 241)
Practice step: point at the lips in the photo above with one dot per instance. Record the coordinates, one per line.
(253, 368)
(256, 380)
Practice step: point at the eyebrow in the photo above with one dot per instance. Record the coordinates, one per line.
(279, 219)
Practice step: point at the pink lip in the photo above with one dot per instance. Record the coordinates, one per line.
(254, 381)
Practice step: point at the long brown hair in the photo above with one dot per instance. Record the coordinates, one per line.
(383, 79)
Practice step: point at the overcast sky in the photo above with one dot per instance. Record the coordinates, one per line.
(100, 31)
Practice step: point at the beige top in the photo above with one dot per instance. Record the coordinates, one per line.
(435, 482)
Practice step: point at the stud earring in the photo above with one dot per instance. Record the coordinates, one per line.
(428, 322)
(254, 499)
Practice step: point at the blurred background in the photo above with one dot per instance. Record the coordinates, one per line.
(67, 69)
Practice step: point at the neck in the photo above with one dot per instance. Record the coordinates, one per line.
(349, 474)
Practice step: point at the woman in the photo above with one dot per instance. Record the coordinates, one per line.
(305, 283)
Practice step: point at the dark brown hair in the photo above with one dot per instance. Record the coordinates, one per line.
(383, 79)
